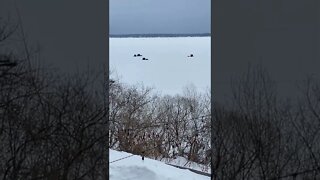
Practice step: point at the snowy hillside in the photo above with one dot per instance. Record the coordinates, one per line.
(134, 168)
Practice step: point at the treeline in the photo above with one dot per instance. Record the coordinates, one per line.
(157, 126)
(260, 136)
(51, 126)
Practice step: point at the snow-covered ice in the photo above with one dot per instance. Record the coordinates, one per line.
(134, 168)
(169, 69)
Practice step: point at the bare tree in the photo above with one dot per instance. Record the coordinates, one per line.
(51, 127)
(259, 136)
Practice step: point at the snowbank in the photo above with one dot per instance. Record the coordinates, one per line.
(183, 162)
(134, 168)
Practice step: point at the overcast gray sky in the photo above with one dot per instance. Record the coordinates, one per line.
(159, 16)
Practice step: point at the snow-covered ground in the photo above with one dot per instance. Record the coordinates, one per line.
(183, 162)
(134, 168)
(169, 69)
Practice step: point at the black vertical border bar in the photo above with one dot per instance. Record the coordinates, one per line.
(212, 54)
(107, 84)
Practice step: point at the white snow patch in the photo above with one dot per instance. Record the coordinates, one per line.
(134, 168)
(183, 162)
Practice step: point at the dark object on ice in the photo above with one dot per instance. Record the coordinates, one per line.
(134, 55)
(191, 55)
(145, 59)
(142, 158)
(139, 55)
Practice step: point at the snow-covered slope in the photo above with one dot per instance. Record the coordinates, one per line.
(183, 162)
(134, 168)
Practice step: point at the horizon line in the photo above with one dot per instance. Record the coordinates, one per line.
(162, 35)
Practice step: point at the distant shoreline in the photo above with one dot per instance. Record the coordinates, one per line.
(158, 35)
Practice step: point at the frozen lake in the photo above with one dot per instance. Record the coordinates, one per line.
(168, 68)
